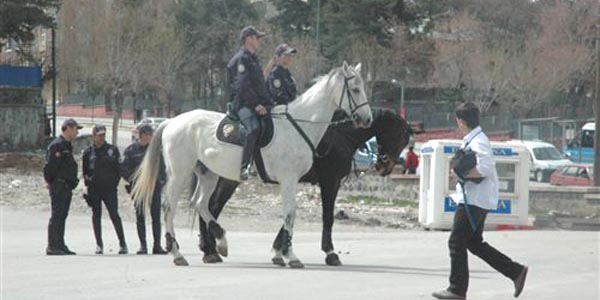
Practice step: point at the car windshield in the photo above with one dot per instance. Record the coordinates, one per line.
(547, 153)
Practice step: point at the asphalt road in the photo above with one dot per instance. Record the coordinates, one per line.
(377, 265)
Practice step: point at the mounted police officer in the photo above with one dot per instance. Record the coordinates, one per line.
(133, 156)
(101, 177)
(248, 92)
(60, 173)
(280, 82)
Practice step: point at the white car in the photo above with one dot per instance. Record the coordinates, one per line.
(152, 121)
(545, 159)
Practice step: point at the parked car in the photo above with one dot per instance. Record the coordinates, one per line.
(366, 157)
(545, 159)
(152, 121)
(574, 175)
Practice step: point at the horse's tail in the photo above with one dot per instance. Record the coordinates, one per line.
(146, 175)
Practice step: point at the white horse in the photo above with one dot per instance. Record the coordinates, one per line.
(191, 138)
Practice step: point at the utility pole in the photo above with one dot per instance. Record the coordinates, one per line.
(597, 107)
(318, 25)
(53, 70)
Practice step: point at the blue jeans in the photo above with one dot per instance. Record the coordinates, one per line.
(251, 132)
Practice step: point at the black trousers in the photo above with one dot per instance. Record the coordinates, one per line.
(60, 197)
(155, 215)
(107, 195)
(463, 238)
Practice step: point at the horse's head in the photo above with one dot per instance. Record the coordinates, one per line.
(353, 99)
(392, 133)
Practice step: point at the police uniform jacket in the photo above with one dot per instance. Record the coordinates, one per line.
(101, 166)
(246, 82)
(132, 158)
(281, 85)
(60, 165)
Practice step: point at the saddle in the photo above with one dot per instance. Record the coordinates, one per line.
(230, 131)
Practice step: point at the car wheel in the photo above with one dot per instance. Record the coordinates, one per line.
(539, 176)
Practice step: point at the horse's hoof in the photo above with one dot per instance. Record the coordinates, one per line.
(222, 246)
(180, 261)
(278, 261)
(296, 264)
(212, 259)
(333, 259)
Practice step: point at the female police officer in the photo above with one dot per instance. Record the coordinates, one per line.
(280, 83)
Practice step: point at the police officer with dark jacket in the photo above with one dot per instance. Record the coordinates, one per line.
(248, 91)
(133, 156)
(280, 82)
(60, 173)
(101, 177)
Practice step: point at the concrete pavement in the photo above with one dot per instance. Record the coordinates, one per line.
(377, 265)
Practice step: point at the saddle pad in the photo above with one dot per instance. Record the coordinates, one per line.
(230, 131)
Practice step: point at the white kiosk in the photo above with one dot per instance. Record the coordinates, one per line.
(436, 208)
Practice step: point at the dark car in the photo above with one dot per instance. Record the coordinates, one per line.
(573, 175)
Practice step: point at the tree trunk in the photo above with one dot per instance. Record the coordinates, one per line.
(117, 116)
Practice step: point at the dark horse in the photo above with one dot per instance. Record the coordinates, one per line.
(337, 148)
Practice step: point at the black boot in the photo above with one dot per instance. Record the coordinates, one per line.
(61, 239)
(157, 249)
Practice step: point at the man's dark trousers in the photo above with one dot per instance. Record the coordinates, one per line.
(109, 196)
(154, 214)
(463, 238)
(60, 196)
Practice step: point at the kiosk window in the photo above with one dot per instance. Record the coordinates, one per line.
(506, 176)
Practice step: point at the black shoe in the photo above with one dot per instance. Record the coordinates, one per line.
(244, 174)
(143, 250)
(520, 281)
(158, 250)
(66, 250)
(123, 249)
(55, 251)
(445, 294)
(99, 250)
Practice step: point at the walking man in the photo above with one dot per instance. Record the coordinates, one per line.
(479, 195)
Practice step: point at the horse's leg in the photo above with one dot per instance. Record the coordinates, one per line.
(288, 196)
(175, 185)
(223, 192)
(329, 189)
(208, 185)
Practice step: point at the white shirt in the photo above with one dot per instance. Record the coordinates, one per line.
(486, 193)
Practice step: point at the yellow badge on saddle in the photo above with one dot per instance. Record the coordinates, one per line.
(228, 130)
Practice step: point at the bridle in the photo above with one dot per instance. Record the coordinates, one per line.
(351, 104)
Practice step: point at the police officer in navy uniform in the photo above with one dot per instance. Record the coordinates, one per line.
(60, 173)
(280, 82)
(133, 156)
(248, 91)
(101, 177)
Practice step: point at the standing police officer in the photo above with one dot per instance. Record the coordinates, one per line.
(60, 173)
(101, 176)
(133, 156)
(280, 83)
(248, 91)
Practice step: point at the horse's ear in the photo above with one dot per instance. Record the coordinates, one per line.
(358, 67)
(345, 68)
